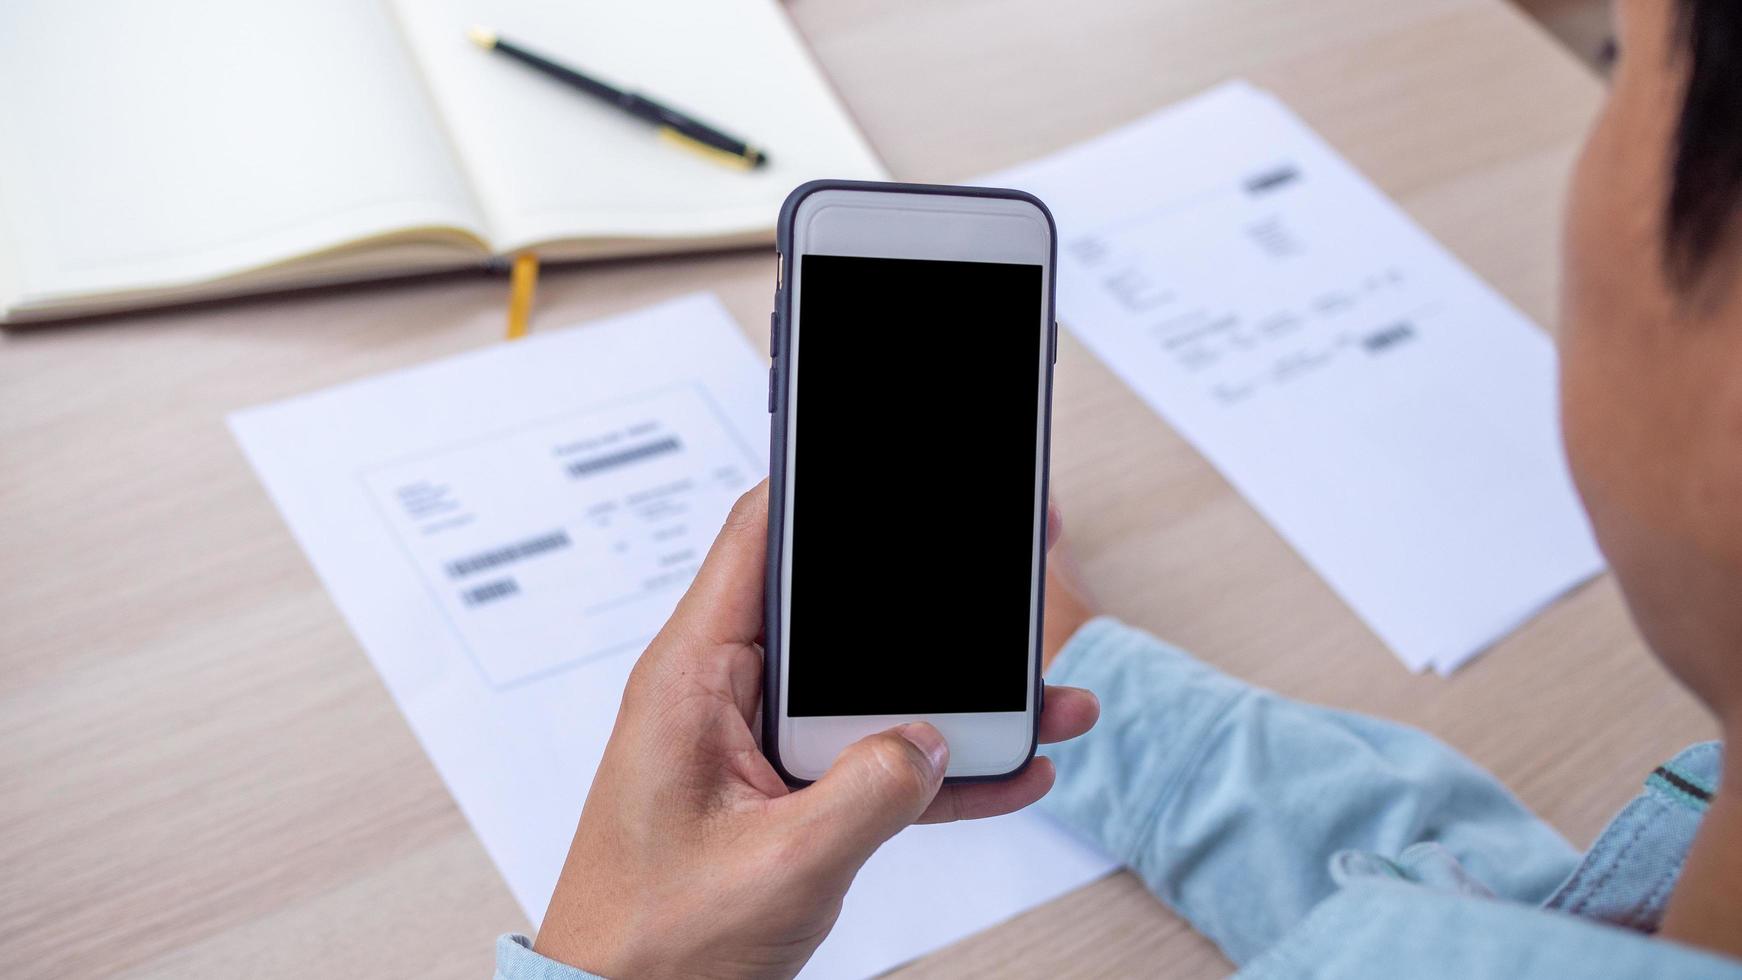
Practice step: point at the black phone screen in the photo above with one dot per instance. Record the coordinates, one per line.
(913, 494)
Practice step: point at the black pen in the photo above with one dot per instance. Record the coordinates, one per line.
(674, 126)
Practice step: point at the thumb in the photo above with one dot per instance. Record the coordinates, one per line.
(877, 786)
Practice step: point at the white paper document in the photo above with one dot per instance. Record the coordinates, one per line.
(1384, 409)
(505, 530)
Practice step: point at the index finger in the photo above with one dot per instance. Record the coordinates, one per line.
(1070, 711)
(724, 603)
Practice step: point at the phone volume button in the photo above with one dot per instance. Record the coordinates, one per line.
(771, 389)
(774, 329)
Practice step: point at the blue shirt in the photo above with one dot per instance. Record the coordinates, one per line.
(1308, 842)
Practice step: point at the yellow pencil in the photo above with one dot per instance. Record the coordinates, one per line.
(521, 284)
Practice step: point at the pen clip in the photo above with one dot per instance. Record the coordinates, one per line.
(714, 153)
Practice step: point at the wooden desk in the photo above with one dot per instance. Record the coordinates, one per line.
(200, 774)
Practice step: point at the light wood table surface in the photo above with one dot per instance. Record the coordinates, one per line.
(201, 775)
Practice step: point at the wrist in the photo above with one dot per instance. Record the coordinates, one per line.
(614, 936)
(583, 951)
(515, 957)
(586, 932)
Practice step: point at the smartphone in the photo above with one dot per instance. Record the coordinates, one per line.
(911, 392)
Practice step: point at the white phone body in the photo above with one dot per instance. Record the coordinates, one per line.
(886, 221)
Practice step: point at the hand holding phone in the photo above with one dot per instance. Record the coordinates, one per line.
(682, 791)
(911, 396)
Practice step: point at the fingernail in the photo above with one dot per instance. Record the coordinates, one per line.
(929, 740)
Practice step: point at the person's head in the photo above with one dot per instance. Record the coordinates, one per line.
(1651, 338)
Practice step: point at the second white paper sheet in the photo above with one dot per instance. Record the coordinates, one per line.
(505, 530)
(1384, 409)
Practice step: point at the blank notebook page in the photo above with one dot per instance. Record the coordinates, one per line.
(551, 162)
(158, 144)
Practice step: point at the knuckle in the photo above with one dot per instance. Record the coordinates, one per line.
(639, 676)
(792, 849)
(747, 510)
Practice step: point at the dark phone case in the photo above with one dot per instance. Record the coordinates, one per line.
(779, 342)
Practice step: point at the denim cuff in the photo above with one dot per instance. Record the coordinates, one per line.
(515, 960)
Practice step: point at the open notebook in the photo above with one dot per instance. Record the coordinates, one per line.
(162, 152)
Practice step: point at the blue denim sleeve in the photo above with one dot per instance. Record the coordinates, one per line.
(515, 960)
(1229, 801)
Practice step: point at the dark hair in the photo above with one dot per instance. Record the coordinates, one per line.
(1705, 199)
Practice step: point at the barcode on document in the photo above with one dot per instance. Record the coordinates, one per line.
(496, 557)
(633, 454)
(490, 592)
